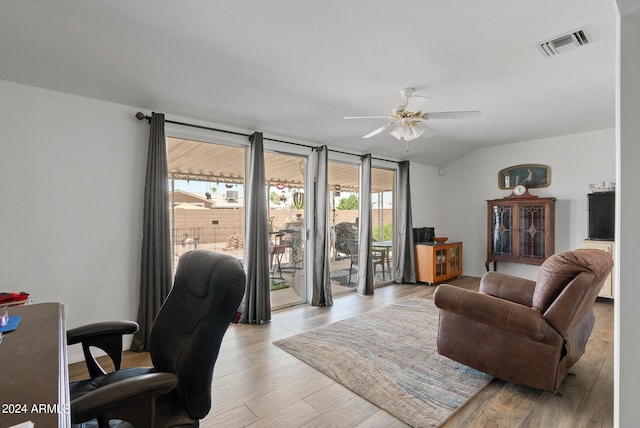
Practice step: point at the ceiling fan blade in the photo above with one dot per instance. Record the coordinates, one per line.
(451, 115)
(379, 130)
(368, 117)
(419, 96)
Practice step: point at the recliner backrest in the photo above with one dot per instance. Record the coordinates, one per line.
(187, 333)
(576, 299)
(554, 275)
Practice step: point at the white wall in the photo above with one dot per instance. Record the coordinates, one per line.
(468, 182)
(72, 173)
(426, 197)
(627, 345)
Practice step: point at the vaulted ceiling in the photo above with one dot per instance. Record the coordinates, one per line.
(293, 68)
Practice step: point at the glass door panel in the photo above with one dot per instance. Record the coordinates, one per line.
(382, 219)
(502, 230)
(344, 223)
(441, 261)
(454, 259)
(532, 231)
(207, 206)
(287, 230)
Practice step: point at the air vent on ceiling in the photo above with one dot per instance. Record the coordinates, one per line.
(565, 42)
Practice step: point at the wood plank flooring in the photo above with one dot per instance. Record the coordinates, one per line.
(258, 385)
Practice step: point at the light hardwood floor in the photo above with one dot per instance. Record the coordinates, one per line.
(258, 385)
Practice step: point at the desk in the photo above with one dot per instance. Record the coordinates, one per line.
(34, 378)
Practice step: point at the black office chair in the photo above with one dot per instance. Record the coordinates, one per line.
(184, 345)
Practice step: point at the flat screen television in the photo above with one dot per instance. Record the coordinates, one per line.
(602, 216)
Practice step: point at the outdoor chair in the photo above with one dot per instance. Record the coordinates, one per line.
(352, 251)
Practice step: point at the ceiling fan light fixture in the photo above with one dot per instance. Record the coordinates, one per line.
(399, 131)
(408, 130)
(417, 129)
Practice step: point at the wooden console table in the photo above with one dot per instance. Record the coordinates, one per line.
(34, 378)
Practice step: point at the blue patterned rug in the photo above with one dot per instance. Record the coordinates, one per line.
(388, 356)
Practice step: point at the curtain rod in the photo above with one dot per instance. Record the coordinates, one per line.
(142, 116)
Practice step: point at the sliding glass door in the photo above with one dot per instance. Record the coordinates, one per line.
(208, 211)
(206, 183)
(287, 230)
(382, 222)
(344, 203)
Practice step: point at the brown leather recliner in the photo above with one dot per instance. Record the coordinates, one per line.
(522, 331)
(184, 345)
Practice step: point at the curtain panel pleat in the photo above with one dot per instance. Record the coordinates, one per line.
(365, 266)
(256, 305)
(321, 272)
(155, 270)
(405, 261)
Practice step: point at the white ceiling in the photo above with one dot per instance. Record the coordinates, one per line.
(293, 68)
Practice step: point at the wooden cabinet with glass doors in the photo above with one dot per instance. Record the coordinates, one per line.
(438, 262)
(520, 230)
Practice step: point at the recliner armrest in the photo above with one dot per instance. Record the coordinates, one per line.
(103, 335)
(135, 392)
(499, 313)
(509, 287)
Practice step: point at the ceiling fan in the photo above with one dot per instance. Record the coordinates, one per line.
(407, 125)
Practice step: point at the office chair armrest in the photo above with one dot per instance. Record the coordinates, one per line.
(499, 313)
(132, 400)
(106, 336)
(100, 329)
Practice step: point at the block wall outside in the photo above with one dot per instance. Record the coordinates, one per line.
(198, 223)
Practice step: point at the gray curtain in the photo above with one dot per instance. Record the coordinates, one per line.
(365, 266)
(405, 260)
(256, 305)
(321, 273)
(155, 269)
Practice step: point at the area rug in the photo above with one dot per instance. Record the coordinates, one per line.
(388, 356)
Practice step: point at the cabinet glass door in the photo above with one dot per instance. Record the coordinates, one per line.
(532, 231)
(502, 230)
(454, 259)
(441, 261)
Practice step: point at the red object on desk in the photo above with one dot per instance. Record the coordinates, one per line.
(13, 297)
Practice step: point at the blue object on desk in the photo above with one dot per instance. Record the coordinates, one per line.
(12, 324)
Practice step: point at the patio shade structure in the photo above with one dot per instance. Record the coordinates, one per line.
(194, 160)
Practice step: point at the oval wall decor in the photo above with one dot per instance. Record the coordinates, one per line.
(529, 175)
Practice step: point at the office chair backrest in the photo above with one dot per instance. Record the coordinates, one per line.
(187, 333)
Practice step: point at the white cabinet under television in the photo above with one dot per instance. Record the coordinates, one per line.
(608, 247)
